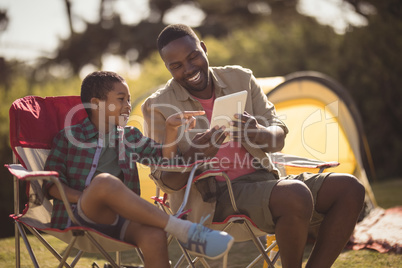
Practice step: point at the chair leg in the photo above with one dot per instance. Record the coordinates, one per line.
(259, 245)
(67, 252)
(140, 255)
(225, 261)
(185, 256)
(180, 261)
(77, 258)
(16, 212)
(102, 251)
(204, 262)
(27, 244)
(270, 264)
(118, 258)
(275, 258)
(17, 246)
(46, 244)
(61, 259)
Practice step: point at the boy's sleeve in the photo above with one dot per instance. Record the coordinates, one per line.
(146, 150)
(56, 160)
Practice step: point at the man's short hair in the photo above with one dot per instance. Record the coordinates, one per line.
(97, 85)
(173, 32)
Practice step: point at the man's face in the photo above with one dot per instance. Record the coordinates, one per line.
(186, 60)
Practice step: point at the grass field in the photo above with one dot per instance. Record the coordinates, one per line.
(388, 194)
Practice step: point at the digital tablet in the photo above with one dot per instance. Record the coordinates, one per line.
(226, 107)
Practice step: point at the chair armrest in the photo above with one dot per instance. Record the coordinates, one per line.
(185, 167)
(188, 188)
(278, 158)
(21, 173)
(192, 168)
(302, 162)
(192, 178)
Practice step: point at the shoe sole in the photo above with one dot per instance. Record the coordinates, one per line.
(230, 243)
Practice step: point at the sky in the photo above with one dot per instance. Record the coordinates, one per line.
(36, 26)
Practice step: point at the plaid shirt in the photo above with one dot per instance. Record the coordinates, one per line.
(75, 155)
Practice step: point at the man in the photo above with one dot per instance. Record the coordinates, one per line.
(286, 206)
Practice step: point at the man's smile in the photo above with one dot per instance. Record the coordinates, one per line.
(195, 78)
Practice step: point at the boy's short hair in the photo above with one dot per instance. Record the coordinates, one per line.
(173, 32)
(97, 85)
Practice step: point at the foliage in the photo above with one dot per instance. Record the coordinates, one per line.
(263, 47)
(4, 19)
(263, 50)
(370, 68)
(153, 74)
(110, 35)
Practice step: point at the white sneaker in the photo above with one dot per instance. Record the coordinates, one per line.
(203, 241)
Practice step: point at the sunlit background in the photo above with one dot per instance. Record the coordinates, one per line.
(36, 27)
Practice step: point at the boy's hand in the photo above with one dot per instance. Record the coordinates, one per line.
(172, 124)
(183, 118)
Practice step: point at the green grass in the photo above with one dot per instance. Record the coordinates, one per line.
(388, 194)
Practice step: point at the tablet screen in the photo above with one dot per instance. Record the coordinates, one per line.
(226, 107)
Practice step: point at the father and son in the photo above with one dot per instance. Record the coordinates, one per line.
(103, 185)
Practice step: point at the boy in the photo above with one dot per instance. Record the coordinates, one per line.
(95, 164)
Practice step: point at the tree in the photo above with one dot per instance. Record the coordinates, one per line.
(371, 68)
(109, 35)
(5, 70)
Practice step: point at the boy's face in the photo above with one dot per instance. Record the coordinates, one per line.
(186, 60)
(116, 109)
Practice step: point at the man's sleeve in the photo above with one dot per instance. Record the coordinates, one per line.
(264, 110)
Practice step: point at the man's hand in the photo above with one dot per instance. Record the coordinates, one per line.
(205, 145)
(269, 139)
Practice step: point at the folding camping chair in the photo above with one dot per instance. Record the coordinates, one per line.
(240, 226)
(34, 121)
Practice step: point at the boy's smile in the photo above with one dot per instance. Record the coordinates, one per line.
(115, 110)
